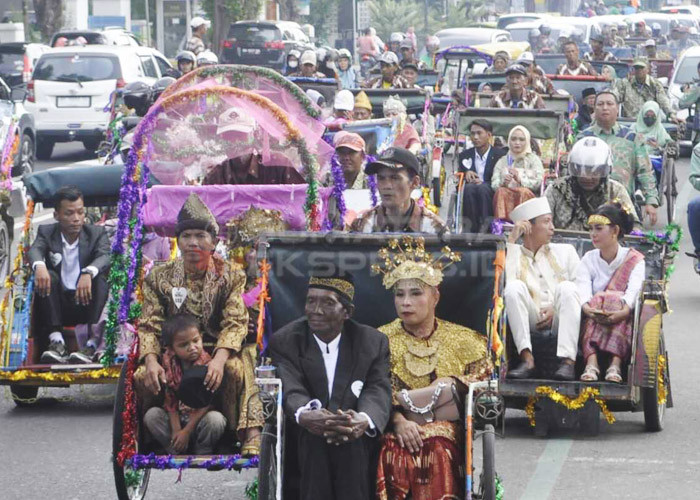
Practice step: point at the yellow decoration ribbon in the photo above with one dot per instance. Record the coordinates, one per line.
(660, 379)
(19, 375)
(570, 403)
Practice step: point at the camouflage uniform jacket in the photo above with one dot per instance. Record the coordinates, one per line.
(571, 206)
(633, 95)
(618, 42)
(584, 68)
(540, 84)
(529, 100)
(631, 164)
(399, 82)
(605, 57)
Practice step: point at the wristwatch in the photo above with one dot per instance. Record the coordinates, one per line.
(85, 270)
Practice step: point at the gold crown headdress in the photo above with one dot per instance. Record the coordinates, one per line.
(408, 259)
(246, 227)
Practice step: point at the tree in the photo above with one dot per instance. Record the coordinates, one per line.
(224, 12)
(390, 15)
(319, 13)
(49, 17)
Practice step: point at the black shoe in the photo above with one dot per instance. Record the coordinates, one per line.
(523, 371)
(84, 356)
(565, 372)
(56, 354)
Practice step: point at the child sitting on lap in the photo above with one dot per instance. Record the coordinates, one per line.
(176, 426)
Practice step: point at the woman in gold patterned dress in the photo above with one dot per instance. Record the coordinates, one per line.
(424, 461)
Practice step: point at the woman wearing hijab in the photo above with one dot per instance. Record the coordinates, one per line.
(610, 74)
(517, 176)
(500, 63)
(652, 131)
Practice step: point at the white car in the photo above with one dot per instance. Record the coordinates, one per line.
(685, 72)
(71, 86)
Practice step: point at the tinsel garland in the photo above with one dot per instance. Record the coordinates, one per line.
(569, 403)
(237, 74)
(251, 490)
(127, 447)
(164, 462)
(9, 152)
(661, 379)
(101, 373)
(339, 187)
(670, 236)
(263, 298)
(372, 182)
(426, 200)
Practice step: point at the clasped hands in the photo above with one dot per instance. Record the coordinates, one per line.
(607, 318)
(337, 428)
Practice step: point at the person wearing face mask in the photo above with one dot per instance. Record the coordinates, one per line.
(292, 62)
(652, 132)
(586, 187)
(517, 176)
(609, 280)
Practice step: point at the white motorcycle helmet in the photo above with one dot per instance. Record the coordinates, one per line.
(207, 58)
(590, 157)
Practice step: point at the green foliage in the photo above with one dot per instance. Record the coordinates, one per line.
(392, 15)
(229, 11)
(319, 13)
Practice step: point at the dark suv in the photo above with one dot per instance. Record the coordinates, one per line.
(262, 43)
(17, 61)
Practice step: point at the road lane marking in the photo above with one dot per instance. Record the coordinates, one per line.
(548, 468)
(35, 220)
(638, 461)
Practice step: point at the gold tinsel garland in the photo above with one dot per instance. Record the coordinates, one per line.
(19, 375)
(569, 403)
(660, 382)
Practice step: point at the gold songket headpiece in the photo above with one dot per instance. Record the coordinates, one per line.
(341, 284)
(246, 227)
(598, 219)
(195, 214)
(408, 259)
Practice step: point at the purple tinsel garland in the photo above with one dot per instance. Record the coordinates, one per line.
(339, 187)
(163, 462)
(372, 182)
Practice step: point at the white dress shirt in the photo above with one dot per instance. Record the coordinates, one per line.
(70, 264)
(480, 162)
(543, 271)
(594, 274)
(329, 352)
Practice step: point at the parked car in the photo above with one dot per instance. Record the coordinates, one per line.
(664, 20)
(693, 10)
(507, 19)
(71, 86)
(453, 37)
(12, 104)
(17, 61)
(262, 43)
(685, 73)
(108, 36)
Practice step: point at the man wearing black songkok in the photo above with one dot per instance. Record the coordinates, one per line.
(335, 374)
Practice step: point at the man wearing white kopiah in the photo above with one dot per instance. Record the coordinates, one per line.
(540, 291)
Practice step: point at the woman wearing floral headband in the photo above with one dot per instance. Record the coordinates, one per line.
(609, 280)
(422, 454)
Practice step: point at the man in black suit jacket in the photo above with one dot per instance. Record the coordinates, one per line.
(477, 164)
(70, 261)
(336, 385)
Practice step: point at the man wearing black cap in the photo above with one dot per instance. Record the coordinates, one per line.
(409, 70)
(203, 285)
(515, 93)
(397, 172)
(335, 374)
(408, 55)
(598, 53)
(586, 108)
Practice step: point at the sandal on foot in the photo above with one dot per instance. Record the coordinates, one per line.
(251, 447)
(590, 374)
(613, 374)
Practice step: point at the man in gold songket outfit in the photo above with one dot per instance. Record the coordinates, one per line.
(422, 455)
(203, 285)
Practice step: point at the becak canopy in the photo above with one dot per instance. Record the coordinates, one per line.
(188, 133)
(303, 113)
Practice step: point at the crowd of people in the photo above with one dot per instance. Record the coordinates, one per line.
(352, 391)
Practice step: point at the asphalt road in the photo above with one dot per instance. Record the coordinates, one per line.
(60, 449)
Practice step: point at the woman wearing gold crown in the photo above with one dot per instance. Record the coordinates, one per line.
(609, 279)
(422, 454)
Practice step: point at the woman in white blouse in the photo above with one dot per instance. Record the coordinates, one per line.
(609, 280)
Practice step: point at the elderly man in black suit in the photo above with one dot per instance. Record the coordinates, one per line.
(477, 163)
(70, 260)
(335, 378)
